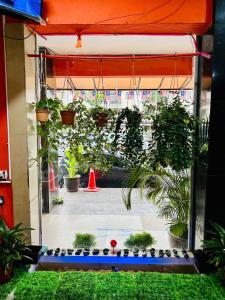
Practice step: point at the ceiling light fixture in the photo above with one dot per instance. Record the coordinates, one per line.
(79, 42)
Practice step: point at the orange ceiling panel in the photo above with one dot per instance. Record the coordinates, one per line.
(126, 16)
(123, 67)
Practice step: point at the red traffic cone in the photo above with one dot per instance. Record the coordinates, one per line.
(91, 182)
(52, 186)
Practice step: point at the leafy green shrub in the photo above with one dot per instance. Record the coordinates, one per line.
(84, 240)
(215, 246)
(37, 286)
(57, 200)
(173, 132)
(140, 240)
(129, 136)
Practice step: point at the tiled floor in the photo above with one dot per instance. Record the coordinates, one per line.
(103, 214)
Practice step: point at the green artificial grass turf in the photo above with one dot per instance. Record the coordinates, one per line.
(113, 286)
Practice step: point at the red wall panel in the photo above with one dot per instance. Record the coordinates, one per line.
(5, 189)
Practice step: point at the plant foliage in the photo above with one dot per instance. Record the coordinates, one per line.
(168, 189)
(84, 240)
(12, 243)
(173, 135)
(140, 240)
(215, 246)
(129, 136)
(51, 131)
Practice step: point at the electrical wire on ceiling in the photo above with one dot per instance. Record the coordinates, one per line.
(138, 14)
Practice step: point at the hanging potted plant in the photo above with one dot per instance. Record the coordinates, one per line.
(68, 114)
(42, 110)
(100, 115)
(129, 136)
(74, 158)
(173, 135)
(47, 109)
(11, 248)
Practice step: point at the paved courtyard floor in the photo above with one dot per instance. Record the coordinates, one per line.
(103, 214)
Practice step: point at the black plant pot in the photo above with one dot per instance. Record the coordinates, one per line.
(86, 253)
(202, 262)
(32, 254)
(95, 252)
(72, 184)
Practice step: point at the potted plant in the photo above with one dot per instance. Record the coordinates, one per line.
(45, 107)
(215, 247)
(84, 240)
(129, 136)
(68, 114)
(170, 191)
(11, 248)
(173, 135)
(100, 115)
(73, 157)
(140, 240)
(42, 110)
(57, 200)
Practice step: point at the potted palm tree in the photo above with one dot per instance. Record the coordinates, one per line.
(170, 191)
(12, 248)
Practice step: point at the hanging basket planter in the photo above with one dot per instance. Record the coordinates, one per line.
(42, 115)
(101, 119)
(67, 117)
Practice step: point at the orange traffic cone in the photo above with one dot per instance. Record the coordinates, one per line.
(52, 186)
(91, 182)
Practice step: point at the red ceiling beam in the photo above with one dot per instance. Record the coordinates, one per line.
(126, 17)
(123, 67)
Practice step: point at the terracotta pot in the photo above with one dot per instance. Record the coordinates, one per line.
(72, 184)
(177, 242)
(67, 117)
(101, 119)
(5, 276)
(42, 115)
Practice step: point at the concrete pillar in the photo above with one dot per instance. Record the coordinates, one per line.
(21, 83)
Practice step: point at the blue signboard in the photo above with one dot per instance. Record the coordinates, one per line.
(27, 8)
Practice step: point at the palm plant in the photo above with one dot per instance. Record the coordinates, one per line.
(215, 246)
(168, 189)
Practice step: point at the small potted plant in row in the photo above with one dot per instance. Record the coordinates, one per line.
(84, 241)
(140, 240)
